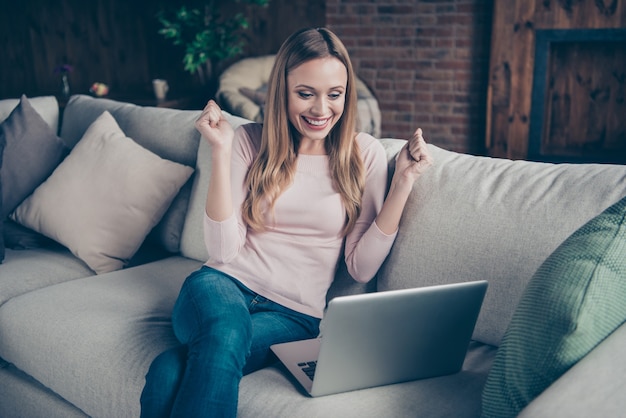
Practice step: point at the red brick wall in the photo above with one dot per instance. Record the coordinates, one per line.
(426, 61)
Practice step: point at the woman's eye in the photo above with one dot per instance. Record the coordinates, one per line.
(304, 94)
(334, 96)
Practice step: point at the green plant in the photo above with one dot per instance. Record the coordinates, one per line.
(207, 34)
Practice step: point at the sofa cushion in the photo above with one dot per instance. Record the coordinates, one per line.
(169, 133)
(92, 340)
(112, 326)
(25, 271)
(473, 218)
(273, 392)
(106, 196)
(22, 396)
(32, 152)
(573, 302)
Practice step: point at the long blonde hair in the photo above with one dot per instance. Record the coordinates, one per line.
(274, 167)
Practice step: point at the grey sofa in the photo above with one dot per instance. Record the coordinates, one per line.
(76, 344)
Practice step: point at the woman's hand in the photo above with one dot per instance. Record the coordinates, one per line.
(413, 159)
(214, 127)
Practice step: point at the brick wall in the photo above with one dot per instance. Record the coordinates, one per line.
(427, 62)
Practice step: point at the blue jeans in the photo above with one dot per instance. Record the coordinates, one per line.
(225, 331)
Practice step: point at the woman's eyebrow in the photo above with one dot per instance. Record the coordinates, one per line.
(299, 86)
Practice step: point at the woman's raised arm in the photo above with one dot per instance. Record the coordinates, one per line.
(219, 133)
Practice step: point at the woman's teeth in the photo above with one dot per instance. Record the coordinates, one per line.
(316, 122)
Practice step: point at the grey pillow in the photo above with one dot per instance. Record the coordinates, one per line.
(105, 197)
(32, 152)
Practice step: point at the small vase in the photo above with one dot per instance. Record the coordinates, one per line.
(65, 87)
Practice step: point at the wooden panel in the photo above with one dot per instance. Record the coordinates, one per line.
(522, 60)
(117, 42)
(499, 89)
(585, 105)
(512, 58)
(107, 41)
(579, 14)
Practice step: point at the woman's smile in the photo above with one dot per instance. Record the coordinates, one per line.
(316, 123)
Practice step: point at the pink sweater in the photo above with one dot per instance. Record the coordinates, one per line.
(294, 261)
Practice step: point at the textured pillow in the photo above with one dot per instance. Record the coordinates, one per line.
(32, 152)
(572, 303)
(104, 198)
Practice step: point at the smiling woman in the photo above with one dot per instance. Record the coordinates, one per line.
(285, 201)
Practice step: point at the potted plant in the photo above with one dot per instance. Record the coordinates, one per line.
(209, 34)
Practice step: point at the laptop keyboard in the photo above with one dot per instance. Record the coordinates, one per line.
(308, 368)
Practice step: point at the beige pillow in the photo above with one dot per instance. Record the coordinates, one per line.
(104, 198)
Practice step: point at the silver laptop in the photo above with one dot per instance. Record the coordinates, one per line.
(387, 337)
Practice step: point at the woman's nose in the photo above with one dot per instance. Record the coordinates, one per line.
(320, 106)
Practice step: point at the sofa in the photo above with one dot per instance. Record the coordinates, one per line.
(91, 272)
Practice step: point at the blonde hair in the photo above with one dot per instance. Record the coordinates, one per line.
(274, 167)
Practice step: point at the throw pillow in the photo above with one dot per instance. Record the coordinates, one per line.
(18, 237)
(31, 153)
(572, 303)
(105, 197)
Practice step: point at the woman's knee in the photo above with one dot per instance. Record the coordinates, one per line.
(209, 302)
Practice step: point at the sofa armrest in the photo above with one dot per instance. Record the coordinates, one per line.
(593, 387)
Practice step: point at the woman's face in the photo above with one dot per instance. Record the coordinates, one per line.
(315, 100)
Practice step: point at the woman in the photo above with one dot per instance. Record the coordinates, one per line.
(286, 199)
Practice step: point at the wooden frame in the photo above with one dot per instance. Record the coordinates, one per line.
(543, 42)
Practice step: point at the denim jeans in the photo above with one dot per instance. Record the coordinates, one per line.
(225, 331)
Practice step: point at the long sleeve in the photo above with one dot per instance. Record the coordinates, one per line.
(225, 239)
(294, 260)
(367, 246)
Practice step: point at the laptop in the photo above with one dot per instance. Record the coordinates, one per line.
(386, 337)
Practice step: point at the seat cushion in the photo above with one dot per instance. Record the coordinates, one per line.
(573, 302)
(27, 270)
(270, 392)
(92, 340)
(17, 387)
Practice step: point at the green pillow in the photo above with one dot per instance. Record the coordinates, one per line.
(573, 302)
